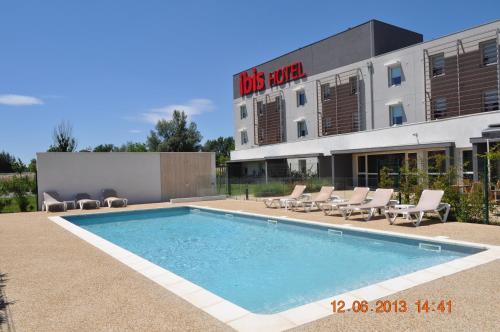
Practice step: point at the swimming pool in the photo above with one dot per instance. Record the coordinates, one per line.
(261, 264)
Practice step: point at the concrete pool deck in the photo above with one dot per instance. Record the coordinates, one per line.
(60, 282)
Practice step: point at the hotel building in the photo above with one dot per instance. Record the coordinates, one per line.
(371, 96)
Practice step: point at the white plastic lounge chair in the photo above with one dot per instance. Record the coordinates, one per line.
(110, 198)
(380, 200)
(84, 201)
(323, 196)
(277, 202)
(430, 201)
(358, 197)
(50, 201)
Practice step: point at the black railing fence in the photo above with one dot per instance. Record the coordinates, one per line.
(471, 201)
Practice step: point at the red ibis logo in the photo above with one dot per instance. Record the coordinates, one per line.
(257, 82)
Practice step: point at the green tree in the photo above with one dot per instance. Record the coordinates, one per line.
(19, 167)
(175, 135)
(32, 166)
(132, 147)
(384, 179)
(105, 148)
(222, 147)
(63, 140)
(6, 162)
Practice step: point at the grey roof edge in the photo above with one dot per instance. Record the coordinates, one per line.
(313, 43)
(292, 156)
(395, 148)
(370, 21)
(474, 140)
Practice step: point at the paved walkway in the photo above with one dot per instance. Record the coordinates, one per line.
(61, 283)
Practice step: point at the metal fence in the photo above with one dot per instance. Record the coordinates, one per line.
(471, 201)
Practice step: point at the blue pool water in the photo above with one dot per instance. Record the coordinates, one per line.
(263, 267)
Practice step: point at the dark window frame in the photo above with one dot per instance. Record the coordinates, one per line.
(301, 97)
(243, 115)
(326, 96)
(391, 114)
(390, 70)
(353, 83)
(482, 47)
(260, 108)
(432, 67)
(301, 132)
(440, 112)
(491, 105)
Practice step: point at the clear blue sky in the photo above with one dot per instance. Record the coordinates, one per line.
(112, 68)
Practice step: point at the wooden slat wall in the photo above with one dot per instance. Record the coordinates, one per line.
(187, 174)
(269, 124)
(474, 80)
(340, 111)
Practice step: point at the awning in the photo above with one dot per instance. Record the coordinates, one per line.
(295, 156)
(299, 119)
(242, 129)
(290, 156)
(491, 134)
(396, 148)
(298, 88)
(393, 102)
(245, 160)
(392, 63)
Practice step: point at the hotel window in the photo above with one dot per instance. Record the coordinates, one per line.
(490, 100)
(244, 137)
(436, 162)
(260, 108)
(467, 171)
(397, 114)
(243, 111)
(328, 123)
(440, 107)
(327, 92)
(361, 171)
(261, 134)
(301, 129)
(353, 83)
(395, 75)
(437, 63)
(303, 166)
(489, 52)
(412, 161)
(301, 98)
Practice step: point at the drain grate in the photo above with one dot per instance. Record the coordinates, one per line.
(334, 232)
(429, 247)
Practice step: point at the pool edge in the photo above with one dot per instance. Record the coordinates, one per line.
(242, 319)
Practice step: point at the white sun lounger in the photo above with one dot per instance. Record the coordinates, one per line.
(380, 200)
(358, 197)
(51, 199)
(281, 201)
(430, 201)
(84, 201)
(110, 198)
(323, 196)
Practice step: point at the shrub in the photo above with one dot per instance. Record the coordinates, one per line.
(19, 186)
(314, 185)
(385, 180)
(271, 189)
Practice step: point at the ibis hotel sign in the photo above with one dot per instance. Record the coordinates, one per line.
(256, 81)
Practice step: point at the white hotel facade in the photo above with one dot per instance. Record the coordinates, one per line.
(374, 95)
